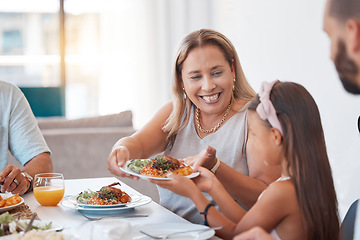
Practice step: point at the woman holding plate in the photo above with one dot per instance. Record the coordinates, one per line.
(209, 108)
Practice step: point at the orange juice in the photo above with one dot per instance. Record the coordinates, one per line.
(49, 195)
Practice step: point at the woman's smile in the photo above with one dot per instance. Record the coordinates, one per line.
(211, 98)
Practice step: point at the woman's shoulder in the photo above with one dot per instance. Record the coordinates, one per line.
(164, 111)
(168, 107)
(240, 105)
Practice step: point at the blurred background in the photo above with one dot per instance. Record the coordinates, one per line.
(100, 57)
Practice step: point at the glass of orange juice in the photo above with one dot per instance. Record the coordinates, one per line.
(49, 188)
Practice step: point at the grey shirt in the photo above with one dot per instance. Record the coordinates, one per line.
(229, 141)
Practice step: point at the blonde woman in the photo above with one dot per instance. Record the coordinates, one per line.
(209, 108)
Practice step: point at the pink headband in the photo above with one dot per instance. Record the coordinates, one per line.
(266, 109)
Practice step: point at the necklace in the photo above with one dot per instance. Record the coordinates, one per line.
(217, 126)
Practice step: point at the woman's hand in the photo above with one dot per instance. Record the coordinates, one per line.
(13, 181)
(178, 184)
(207, 159)
(117, 159)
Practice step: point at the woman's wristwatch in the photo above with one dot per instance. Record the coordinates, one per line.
(29, 178)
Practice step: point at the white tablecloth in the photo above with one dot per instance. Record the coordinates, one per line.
(76, 224)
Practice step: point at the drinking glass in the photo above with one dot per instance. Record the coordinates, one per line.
(49, 188)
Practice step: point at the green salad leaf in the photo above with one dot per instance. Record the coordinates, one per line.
(6, 218)
(24, 225)
(138, 164)
(85, 196)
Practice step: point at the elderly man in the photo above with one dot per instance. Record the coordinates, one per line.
(21, 136)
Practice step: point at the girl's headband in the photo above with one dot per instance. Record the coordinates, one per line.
(266, 109)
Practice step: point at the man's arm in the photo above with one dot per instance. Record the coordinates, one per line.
(40, 164)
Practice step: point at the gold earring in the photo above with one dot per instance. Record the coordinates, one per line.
(234, 85)
(184, 93)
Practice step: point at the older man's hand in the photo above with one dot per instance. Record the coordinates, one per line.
(13, 181)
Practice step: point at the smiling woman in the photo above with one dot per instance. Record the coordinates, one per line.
(210, 95)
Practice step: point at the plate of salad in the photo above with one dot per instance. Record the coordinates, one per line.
(107, 197)
(9, 225)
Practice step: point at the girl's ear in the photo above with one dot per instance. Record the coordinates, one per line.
(277, 136)
(352, 36)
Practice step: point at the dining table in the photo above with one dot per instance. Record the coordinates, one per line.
(77, 226)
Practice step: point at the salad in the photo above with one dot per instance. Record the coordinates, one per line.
(10, 225)
(161, 167)
(137, 165)
(107, 195)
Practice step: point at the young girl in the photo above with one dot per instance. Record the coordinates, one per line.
(284, 129)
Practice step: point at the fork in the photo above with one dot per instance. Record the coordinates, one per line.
(166, 236)
(109, 216)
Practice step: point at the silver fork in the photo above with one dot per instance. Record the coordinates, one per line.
(166, 236)
(109, 216)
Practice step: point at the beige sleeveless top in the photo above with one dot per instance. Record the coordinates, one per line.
(229, 142)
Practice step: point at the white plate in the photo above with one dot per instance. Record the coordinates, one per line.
(67, 202)
(7, 195)
(168, 228)
(129, 171)
(134, 198)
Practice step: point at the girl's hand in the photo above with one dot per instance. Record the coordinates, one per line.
(180, 185)
(206, 180)
(207, 159)
(117, 159)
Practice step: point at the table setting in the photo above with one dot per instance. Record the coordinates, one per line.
(139, 218)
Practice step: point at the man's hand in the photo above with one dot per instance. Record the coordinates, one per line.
(13, 181)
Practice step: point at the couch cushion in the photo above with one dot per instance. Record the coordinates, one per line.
(122, 119)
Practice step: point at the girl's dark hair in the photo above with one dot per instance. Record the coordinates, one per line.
(308, 163)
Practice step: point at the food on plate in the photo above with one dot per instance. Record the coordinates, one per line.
(10, 225)
(107, 195)
(161, 166)
(38, 235)
(14, 199)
